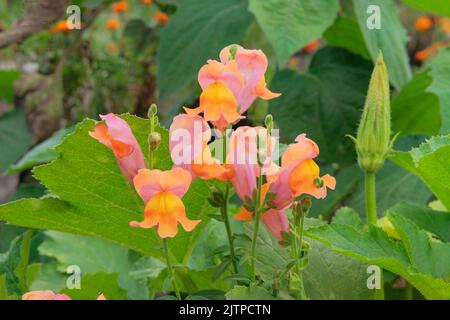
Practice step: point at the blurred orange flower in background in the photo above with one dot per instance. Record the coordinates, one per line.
(424, 54)
(161, 17)
(423, 23)
(312, 46)
(146, 1)
(61, 26)
(113, 24)
(444, 23)
(120, 6)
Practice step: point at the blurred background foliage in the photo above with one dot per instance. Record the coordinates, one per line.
(129, 54)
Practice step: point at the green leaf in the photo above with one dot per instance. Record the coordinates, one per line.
(436, 222)
(13, 264)
(328, 275)
(373, 246)
(439, 7)
(391, 39)
(308, 20)
(7, 79)
(197, 32)
(415, 110)
(249, 293)
(345, 33)
(430, 162)
(394, 184)
(42, 153)
(15, 138)
(95, 199)
(92, 285)
(92, 256)
(440, 73)
(325, 103)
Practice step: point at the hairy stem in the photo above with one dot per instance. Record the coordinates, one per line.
(371, 208)
(257, 217)
(169, 266)
(226, 220)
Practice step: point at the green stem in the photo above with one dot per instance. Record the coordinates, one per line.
(257, 218)
(226, 219)
(298, 254)
(372, 218)
(371, 197)
(169, 266)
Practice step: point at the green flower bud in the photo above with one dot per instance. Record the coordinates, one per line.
(154, 140)
(373, 137)
(152, 111)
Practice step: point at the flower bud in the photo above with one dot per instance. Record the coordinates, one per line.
(152, 111)
(373, 137)
(154, 140)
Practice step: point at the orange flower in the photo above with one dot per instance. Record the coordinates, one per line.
(423, 23)
(162, 192)
(425, 54)
(161, 17)
(444, 23)
(218, 104)
(61, 26)
(146, 1)
(112, 24)
(44, 295)
(310, 48)
(112, 48)
(120, 6)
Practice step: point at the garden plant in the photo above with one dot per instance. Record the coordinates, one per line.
(224, 150)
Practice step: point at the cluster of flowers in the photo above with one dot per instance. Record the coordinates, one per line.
(121, 7)
(229, 86)
(425, 24)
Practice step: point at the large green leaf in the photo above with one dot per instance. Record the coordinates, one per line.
(249, 293)
(439, 7)
(431, 163)
(196, 33)
(92, 256)
(436, 222)
(328, 275)
(391, 38)
(440, 73)
(422, 261)
(94, 199)
(308, 20)
(345, 33)
(15, 138)
(324, 103)
(92, 285)
(13, 265)
(415, 110)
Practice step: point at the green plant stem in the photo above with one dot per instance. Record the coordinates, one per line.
(372, 218)
(371, 197)
(169, 266)
(226, 220)
(298, 253)
(257, 217)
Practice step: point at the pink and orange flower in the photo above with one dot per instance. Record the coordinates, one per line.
(162, 192)
(116, 134)
(232, 85)
(298, 175)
